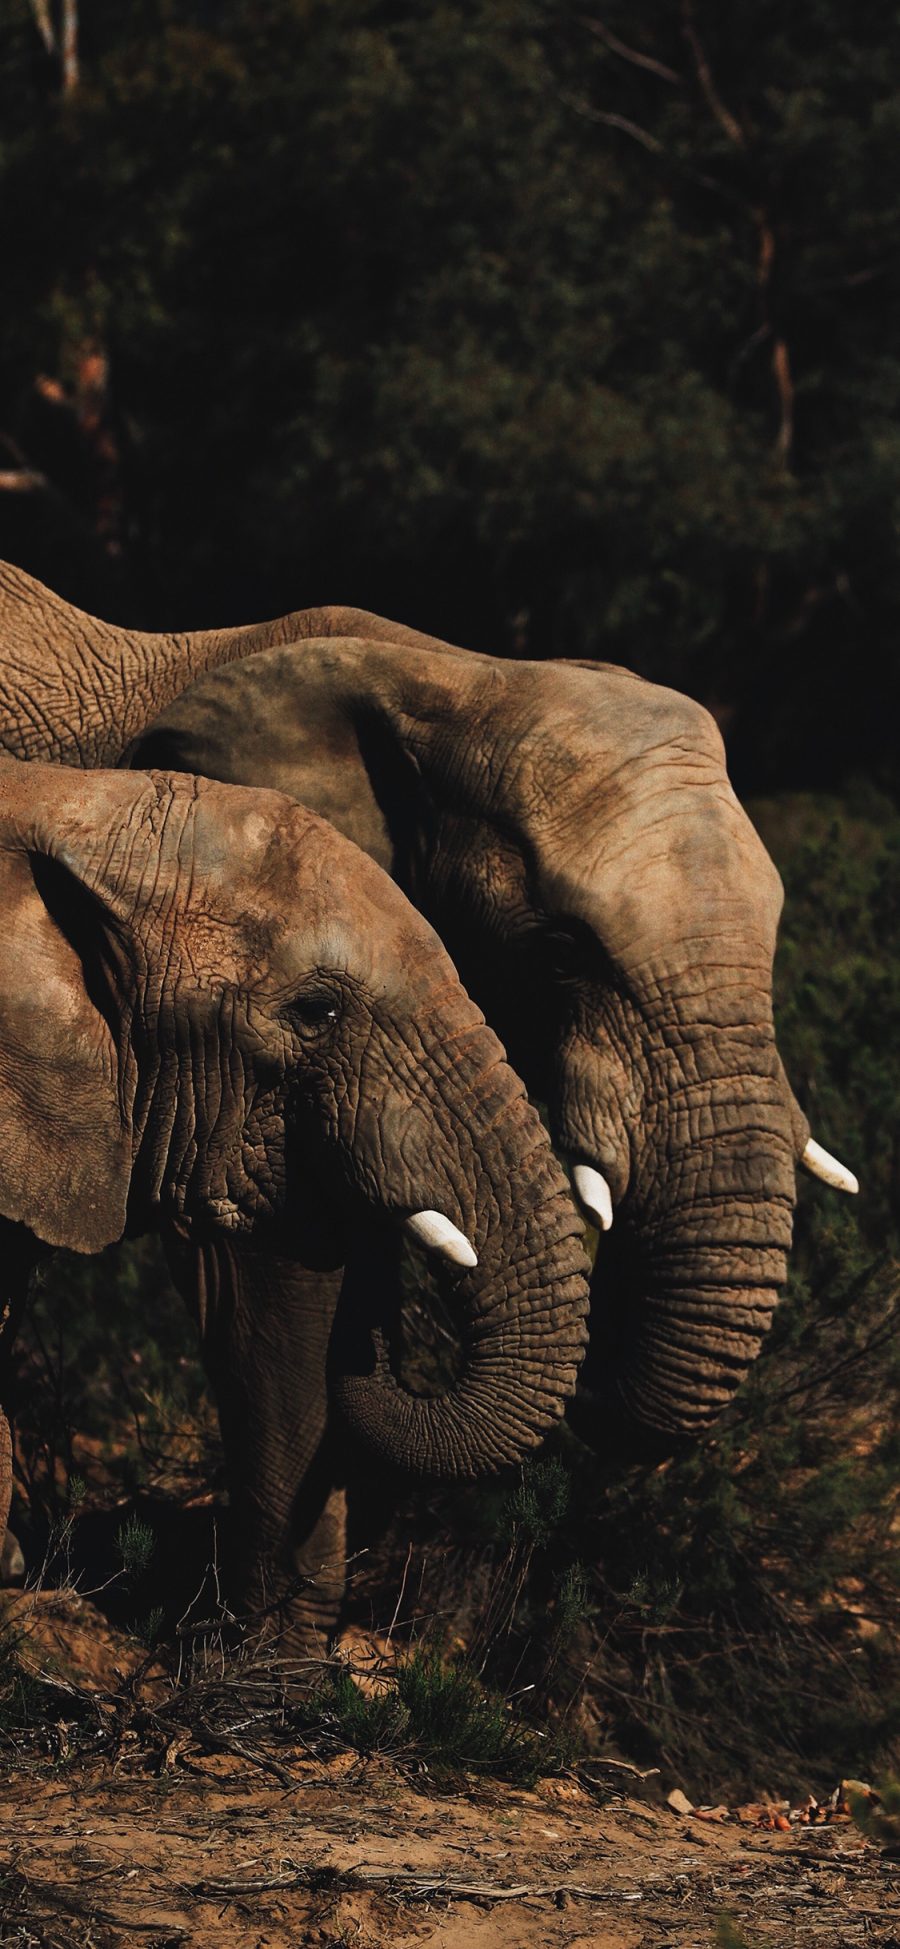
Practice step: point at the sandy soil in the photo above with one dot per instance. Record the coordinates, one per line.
(272, 1848)
(211, 1853)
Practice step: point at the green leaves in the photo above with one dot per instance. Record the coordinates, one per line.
(527, 327)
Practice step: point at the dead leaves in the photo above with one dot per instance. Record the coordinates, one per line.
(777, 1816)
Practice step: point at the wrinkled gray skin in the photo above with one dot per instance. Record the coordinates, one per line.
(572, 833)
(219, 1019)
(74, 690)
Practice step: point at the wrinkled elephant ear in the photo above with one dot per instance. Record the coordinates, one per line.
(65, 1146)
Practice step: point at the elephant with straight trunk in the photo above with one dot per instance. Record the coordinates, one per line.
(219, 1019)
(572, 833)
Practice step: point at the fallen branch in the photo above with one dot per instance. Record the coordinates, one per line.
(621, 1766)
(415, 1887)
(221, 1743)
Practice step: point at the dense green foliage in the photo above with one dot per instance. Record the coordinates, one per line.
(542, 330)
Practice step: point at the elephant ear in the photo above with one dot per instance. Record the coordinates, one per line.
(65, 1142)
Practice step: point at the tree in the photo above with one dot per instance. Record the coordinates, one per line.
(550, 333)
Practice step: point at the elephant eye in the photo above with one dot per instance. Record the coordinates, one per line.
(565, 954)
(315, 1014)
(573, 952)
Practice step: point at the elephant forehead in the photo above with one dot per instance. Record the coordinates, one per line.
(270, 859)
(242, 830)
(584, 817)
(324, 903)
(395, 957)
(562, 749)
(272, 892)
(674, 863)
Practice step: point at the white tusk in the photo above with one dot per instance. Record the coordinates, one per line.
(593, 1192)
(432, 1229)
(824, 1166)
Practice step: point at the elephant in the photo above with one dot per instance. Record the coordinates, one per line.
(75, 690)
(571, 831)
(220, 1020)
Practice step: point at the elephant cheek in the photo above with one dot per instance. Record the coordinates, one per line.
(595, 1107)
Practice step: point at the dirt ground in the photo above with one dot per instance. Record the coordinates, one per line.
(351, 1852)
(276, 1848)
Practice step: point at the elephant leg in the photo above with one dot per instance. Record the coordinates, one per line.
(19, 1254)
(319, 1561)
(264, 1327)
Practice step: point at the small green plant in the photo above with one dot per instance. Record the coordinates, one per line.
(135, 1543)
(149, 1628)
(537, 1505)
(656, 1596)
(573, 1602)
(439, 1712)
(877, 1814)
(371, 1724)
(459, 1726)
(729, 1936)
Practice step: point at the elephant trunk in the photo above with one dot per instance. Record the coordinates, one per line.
(693, 1266)
(521, 1310)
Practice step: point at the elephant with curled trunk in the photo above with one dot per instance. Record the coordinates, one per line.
(219, 1019)
(572, 833)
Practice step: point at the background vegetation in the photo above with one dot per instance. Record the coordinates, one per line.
(542, 331)
(555, 333)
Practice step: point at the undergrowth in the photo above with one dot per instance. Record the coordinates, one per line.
(437, 1712)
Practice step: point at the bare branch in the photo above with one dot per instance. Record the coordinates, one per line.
(650, 142)
(638, 134)
(631, 54)
(781, 368)
(44, 24)
(414, 1886)
(711, 94)
(22, 481)
(781, 362)
(69, 45)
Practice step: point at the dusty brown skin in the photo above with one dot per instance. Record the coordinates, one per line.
(572, 833)
(219, 1019)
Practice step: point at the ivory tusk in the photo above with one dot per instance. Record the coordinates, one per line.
(824, 1166)
(433, 1230)
(593, 1193)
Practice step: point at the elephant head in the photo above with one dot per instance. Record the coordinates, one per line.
(572, 832)
(218, 1017)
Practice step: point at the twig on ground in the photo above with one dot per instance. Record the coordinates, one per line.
(415, 1887)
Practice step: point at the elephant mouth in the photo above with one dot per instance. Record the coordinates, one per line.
(403, 1294)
